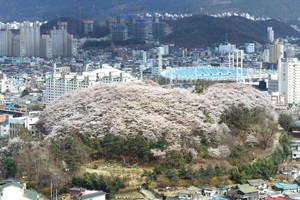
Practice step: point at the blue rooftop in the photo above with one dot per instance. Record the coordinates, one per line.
(297, 123)
(218, 198)
(203, 73)
(284, 186)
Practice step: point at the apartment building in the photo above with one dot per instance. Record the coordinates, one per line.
(289, 81)
(58, 83)
(6, 38)
(31, 33)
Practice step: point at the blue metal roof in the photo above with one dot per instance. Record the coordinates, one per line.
(297, 123)
(284, 186)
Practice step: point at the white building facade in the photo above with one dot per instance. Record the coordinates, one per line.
(289, 80)
(58, 84)
(6, 37)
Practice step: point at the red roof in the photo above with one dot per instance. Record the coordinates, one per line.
(277, 198)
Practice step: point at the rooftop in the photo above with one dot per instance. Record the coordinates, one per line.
(247, 189)
(284, 186)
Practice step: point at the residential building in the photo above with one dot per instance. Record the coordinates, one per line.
(289, 81)
(276, 51)
(4, 125)
(58, 84)
(62, 25)
(32, 36)
(142, 29)
(88, 26)
(71, 46)
(77, 193)
(270, 34)
(16, 191)
(248, 192)
(63, 44)
(160, 30)
(19, 46)
(6, 39)
(226, 48)
(18, 125)
(59, 42)
(272, 84)
(46, 46)
(250, 47)
(119, 32)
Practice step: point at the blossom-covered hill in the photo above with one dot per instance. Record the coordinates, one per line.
(130, 108)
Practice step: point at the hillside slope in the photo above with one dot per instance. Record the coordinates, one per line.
(203, 31)
(126, 109)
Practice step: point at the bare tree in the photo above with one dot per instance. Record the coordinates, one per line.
(266, 130)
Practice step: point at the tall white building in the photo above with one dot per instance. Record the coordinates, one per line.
(6, 38)
(289, 80)
(19, 46)
(31, 33)
(276, 51)
(46, 46)
(58, 84)
(270, 34)
(63, 44)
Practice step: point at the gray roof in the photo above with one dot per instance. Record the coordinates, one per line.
(95, 194)
(31, 195)
(256, 182)
(77, 189)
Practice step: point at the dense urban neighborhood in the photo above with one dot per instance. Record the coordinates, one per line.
(150, 106)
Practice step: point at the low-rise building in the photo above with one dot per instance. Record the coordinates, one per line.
(16, 191)
(79, 193)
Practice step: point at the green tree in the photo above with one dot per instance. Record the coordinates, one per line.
(237, 151)
(286, 121)
(70, 150)
(93, 181)
(10, 167)
(175, 160)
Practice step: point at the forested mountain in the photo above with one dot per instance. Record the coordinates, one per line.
(93, 9)
(204, 31)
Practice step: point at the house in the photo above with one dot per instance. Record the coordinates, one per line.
(195, 190)
(16, 191)
(296, 130)
(218, 198)
(4, 126)
(276, 198)
(209, 192)
(187, 195)
(256, 182)
(247, 192)
(79, 193)
(283, 187)
(296, 152)
(292, 195)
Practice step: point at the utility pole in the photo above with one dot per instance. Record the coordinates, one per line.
(51, 191)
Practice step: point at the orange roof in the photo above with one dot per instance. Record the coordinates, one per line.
(3, 118)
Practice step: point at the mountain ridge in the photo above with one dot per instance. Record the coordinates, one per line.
(99, 10)
(206, 31)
